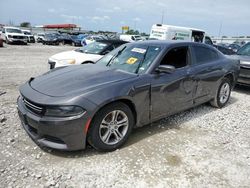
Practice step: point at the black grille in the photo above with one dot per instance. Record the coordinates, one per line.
(18, 37)
(33, 107)
(53, 139)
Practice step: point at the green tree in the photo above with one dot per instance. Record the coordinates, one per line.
(25, 24)
(132, 32)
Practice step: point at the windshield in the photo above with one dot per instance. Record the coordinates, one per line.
(131, 58)
(93, 48)
(244, 50)
(51, 35)
(137, 37)
(13, 30)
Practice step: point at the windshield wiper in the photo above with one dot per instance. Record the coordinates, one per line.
(115, 56)
(140, 64)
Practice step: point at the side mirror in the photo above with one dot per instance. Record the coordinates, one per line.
(3, 31)
(165, 69)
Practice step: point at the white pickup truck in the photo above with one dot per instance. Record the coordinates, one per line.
(13, 35)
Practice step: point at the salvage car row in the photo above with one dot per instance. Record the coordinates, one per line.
(14, 35)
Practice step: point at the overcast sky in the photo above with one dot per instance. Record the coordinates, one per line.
(232, 15)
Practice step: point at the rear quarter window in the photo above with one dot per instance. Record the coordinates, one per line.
(204, 55)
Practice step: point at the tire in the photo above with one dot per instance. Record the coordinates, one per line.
(223, 94)
(61, 43)
(105, 133)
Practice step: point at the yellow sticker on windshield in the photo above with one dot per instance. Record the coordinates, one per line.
(131, 60)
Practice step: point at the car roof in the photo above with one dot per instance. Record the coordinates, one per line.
(168, 43)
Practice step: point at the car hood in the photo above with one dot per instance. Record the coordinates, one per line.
(77, 79)
(78, 56)
(16, 34)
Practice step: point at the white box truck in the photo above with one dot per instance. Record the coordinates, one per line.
(170, 32)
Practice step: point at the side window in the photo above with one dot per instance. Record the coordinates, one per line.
(177, 57)
(204, 55)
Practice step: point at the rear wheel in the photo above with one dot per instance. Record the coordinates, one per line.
(223, 94)
(111, 127)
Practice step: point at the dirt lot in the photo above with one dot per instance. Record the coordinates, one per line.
(202, 147)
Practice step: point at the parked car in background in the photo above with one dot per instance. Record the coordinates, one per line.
(1, 42)
(31, 38)
(13, 35)
(52, 39)
(66, 39)
(234, 47)
(87, 54)
(134, 85)
(76, 41)
(224, 50)
(131, 38)
(39, 37)
(243, 54)
(90, 39)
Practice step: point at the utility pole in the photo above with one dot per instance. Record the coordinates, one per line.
(162, 17)
(220, 30)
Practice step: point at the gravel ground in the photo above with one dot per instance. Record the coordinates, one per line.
(201, 147)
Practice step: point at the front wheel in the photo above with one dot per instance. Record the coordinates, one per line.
(223, 94)
(61, 43)
(111, 127)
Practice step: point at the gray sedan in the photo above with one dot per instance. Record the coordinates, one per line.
(132, 86)
(243, 55)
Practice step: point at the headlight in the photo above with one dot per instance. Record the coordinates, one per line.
(64, 111)
(10, 36)
(67, 61)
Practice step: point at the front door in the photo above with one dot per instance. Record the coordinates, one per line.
(172, 92)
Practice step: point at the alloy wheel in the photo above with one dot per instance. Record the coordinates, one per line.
(114, 127)
(224, 93)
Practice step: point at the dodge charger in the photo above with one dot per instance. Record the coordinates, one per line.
(134, 85)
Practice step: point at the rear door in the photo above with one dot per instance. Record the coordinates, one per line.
(206, 71)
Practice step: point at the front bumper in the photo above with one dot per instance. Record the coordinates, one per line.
(17, 39)
(244, 76)
(31, 39)
(58, 133)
